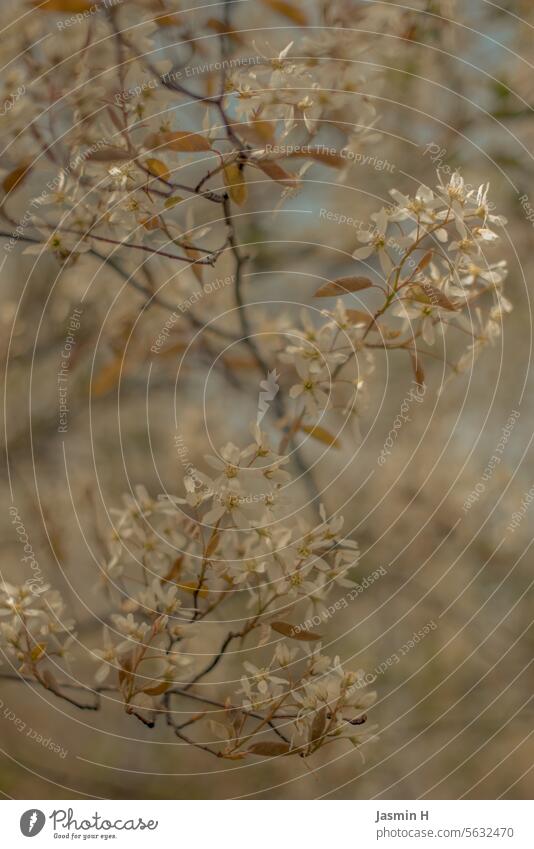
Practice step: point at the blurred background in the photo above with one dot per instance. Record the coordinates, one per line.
(454, 708)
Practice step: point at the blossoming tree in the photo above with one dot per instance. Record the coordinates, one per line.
(144, 138)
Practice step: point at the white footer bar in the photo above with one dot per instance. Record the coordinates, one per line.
(268, 824)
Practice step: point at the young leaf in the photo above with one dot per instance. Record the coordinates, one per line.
(158, 168)
(270, 749)
(417, 367)
(219, 730)
(276, 172)
(63, 5)
(288, 10)
(170, 202)
(293, 632)
(359, 317)
(38, 651)
(172, 20)
(108, 377)
(180, 141)
(192, 587)
(325, 156)
(15, 178)
(158, 689)
(258, 130)
(436, 297)
(175, 569)
(110, 154)
(212, 544)
(193, 254)
(151, 223)
(318, 726)
(224, 29)
(425, 259)
(343, 285)
(321, 435)
(235, 181)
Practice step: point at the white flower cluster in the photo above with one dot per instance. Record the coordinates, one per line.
(34, 627)
(309, 707)
(318, 355)
(174, 560)
(211, 543)
(433, 273)
(114, 134)
(305, 91)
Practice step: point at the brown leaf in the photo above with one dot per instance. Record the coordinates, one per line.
(276, 172)
(110, 154)
(158, 689)
(114, 117)
(193, 254)
(192, 587)
(288, 10)
(387, 332)
(359, 317)
(436, 297)
(321, 435)
(238, 363)
(152, 223)
(343, 285)
(212, 544)
(108, 377)
(158, 168)
(223, 28)
(125, 671)
(423, 262)
(15, 178)
(318, 725)
(175, 569)
(270, 749)
(293, 632)
(170, 202)
(258, 131)
(235, 181)
(38, 651)
(236, 717)
(181, 141)
(417, 367)
(63, 5)
(172, 20)
(324, 155)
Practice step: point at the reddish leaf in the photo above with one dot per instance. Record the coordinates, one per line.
(318, 725)
(293, 632)
(63, 5)
(110, 154)
(276, 172)
(235, 182)
(324, 155)
(181, 141)
(321, 435)
(436, 297)
(343, 285)
(15, 178)
(288, 10)
(417, 367)
(158, 689)
(270, 749)
(157, 168)
(359, 317)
